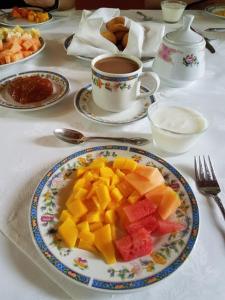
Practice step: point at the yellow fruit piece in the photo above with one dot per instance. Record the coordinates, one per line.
(106, 172)
(133, 197)
(95, 226)
(103, 242)
(116, 194)
(80, 183)
(89, 176)
(93, 217)
(96, 203)
(114, 180)
(68, 231)
(130, 164)
(119, 173)
(77, 209)
(104, 180)
(110, 216)
(86, 246)
(119, 162)
(98, 163)
(80, 194)
(87, 236)
(80, 171)
(83, 226)
(92, 191)
(103, 195)
(64, 215)
(70, 199)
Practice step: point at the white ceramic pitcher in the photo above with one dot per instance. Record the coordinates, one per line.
(181, 56)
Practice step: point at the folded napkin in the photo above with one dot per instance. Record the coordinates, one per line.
(143, 41)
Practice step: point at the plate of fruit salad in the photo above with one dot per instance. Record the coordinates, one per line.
(25, 17)
(18, 45)
(114, 218)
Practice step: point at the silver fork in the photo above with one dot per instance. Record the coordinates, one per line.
(207, 182)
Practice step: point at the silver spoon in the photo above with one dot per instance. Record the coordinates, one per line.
(75, 137)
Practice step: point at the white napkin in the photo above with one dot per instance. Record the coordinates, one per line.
(144, 38)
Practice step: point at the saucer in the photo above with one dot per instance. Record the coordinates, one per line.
(85, 105)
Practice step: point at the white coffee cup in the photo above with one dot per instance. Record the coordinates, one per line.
(117, 92)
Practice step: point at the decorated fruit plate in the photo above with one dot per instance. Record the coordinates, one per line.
(83, 267)
(216, 10)
(6, 19)
(60, 88)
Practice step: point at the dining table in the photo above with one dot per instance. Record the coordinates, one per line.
(28, 149)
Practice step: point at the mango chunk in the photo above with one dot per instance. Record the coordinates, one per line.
(83, 226)
(119, 162)
(116, 194)
(77, 209)
(103, 195)
(110, 216)
(80, 171)
(95, 226)
(106, 172)
(119, 173)
(93, 216)
(80, 183)
(85, 245)
(103, 242)
(64, 215)
(130, 164)
(115, 179)
(98, 163)
(80, 194)
(87, 236)
(68, 231)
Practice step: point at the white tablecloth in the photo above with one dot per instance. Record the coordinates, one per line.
(28, 149)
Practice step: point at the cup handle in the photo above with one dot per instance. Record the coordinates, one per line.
(153, 85)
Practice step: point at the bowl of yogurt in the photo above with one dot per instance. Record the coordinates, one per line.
(175, 129)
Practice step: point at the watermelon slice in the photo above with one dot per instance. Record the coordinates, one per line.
(150, 223)
(135, 245)
(139, 210)
(165, 227)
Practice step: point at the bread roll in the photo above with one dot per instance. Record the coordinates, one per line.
(109, 36)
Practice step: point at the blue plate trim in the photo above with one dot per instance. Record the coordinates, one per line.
(104, 285)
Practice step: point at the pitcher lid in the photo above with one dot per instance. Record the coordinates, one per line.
(185, 35)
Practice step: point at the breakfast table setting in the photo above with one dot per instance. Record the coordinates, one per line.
(39, 156)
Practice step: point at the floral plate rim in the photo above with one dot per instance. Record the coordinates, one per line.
(94, 118)
(99, 284)
(55, 77)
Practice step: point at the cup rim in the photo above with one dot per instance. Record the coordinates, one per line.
(131, 57)
(151, 107)
(175, 1)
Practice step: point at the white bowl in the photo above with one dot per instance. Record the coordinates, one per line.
(175, 129)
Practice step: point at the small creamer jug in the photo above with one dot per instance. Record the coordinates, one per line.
(181, 56)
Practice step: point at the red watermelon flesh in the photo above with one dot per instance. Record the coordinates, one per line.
(150, 223)
(165, 227)
(135, 245)
(139, 210)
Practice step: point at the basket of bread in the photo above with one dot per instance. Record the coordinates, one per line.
(106, 31)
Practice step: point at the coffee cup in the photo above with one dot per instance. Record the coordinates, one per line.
(116, 80)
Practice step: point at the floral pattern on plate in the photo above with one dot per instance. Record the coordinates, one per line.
(85, 268)
(60, 89)
(87, 108)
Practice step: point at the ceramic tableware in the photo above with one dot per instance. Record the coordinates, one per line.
(116, 92)
(216, 10)
(181, 57)
(60, 89)
(85, 268)
(86, 107)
